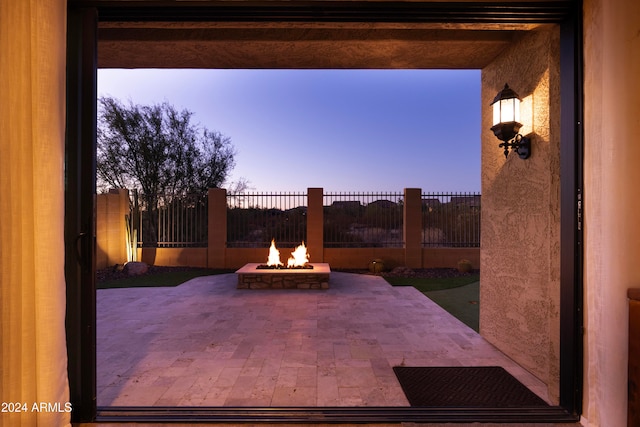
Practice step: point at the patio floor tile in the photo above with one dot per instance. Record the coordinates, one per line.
(207, 343)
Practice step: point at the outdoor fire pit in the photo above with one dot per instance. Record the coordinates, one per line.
(299, 273)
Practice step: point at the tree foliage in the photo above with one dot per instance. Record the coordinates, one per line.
(158, 149)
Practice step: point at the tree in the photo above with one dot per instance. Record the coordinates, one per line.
(158, 150)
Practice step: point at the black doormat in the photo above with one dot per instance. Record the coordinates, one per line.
(464, 386)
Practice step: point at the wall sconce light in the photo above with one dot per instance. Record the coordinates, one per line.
(506, 116)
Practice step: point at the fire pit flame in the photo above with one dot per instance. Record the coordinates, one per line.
(299, 258)
(274, 255)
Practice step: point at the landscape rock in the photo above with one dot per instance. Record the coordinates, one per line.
(135, 268)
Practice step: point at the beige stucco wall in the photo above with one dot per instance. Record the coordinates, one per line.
(339, 258)
(175, 257)
(519, 260)
(612, 205)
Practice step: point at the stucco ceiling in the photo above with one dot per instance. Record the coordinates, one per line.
(162, 47)
(311, 34)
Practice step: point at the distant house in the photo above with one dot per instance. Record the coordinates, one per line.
(471, 201)
(302, 209)
(383, 204)
(430, 203)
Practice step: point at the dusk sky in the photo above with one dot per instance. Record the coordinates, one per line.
(343, 130)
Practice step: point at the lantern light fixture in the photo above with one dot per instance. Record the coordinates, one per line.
(506, 123)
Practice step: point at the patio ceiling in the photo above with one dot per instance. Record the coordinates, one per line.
(202, 45)
(313, 34)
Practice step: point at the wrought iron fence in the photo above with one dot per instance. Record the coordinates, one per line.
(451, 219)
(363, 220)
(351, 219)
(170, 220)
(254, 219)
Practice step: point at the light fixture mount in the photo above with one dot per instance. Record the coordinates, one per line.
(520, 144)
(506, 125)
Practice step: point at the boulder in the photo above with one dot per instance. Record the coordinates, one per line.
(135, 268)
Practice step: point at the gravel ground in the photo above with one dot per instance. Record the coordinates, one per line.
(115, 272)
(420, 272)
(427, 272)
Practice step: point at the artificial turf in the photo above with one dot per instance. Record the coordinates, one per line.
(459, 295)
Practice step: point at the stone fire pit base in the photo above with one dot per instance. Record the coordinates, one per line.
(250, 277)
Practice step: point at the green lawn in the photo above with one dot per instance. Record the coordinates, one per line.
(462, 302)
(166, 279)
(458, 295)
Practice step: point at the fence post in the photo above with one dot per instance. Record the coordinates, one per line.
(315, 224)
(217, 234)
(102, 256)
(412, 227)
(111, 209)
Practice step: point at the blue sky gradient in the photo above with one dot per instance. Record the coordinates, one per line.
(343, 130)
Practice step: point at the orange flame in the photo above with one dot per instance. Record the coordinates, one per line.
(274, 255)
(299, 257)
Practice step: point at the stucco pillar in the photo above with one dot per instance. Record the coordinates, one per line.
(520, 258)
(412, 227)
(217, 233)
(315, 224)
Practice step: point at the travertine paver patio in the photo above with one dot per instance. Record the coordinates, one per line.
(206, 343)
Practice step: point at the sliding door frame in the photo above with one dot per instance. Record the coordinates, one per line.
(83, 19)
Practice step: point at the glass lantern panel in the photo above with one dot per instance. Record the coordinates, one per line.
(516, 109)
(507, 110)
(496, 113)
